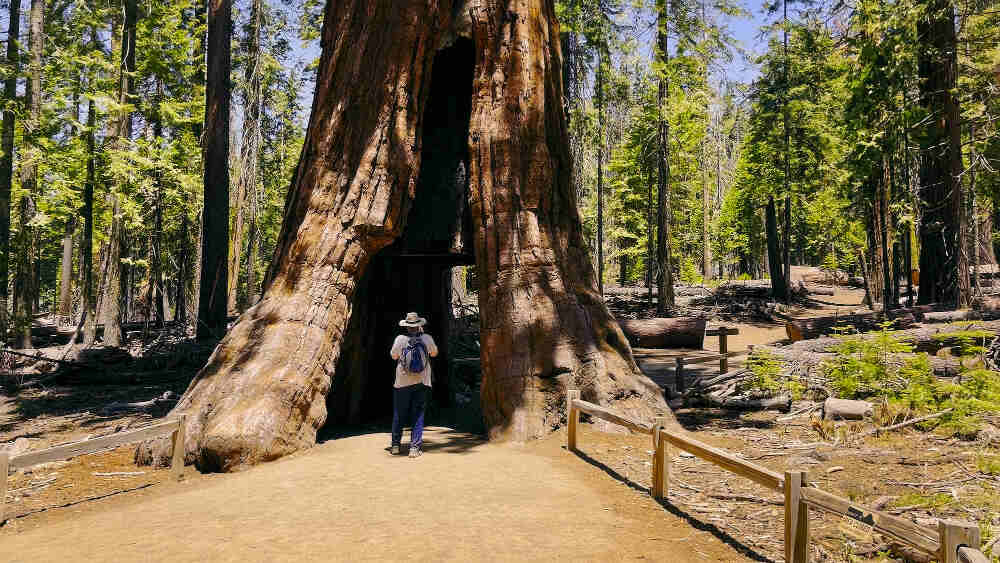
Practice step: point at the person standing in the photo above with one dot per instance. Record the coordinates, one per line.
(412, 352)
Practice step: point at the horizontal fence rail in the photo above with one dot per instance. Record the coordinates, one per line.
(175, 428)
(723, 332)
(951, 542)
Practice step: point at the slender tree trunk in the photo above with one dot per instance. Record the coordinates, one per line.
(785, 251)
(87, 244)
(786, 243)
(183, 275)
(212, 300)
(650, 251)
(7, 158)
(115, 281)
(66, 270)
(779, 289)
(874, 250)
(544, 327)
(246, 184)
(665, 281)
(886, 231)
(600, 174)
(718, 175)
(908, 256)
(706, 250)
(154, 291)
(944, 272)
(26, 285)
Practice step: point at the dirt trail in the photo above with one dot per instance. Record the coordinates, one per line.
(348, 500)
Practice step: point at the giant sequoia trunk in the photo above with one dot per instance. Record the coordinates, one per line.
(544, 327)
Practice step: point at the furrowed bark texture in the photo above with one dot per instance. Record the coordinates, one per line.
(7, 154)
(262, 393)
(544, 326)
(25, 285)
(215, 213)
(943, 264)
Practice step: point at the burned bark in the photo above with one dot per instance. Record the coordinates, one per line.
(544, 326)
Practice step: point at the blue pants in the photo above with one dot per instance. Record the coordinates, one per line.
(408, 408)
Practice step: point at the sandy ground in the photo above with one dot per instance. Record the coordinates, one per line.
(348, 500)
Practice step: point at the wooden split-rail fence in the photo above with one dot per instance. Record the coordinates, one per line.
(722, 357)
(950, 542)
(175, 428)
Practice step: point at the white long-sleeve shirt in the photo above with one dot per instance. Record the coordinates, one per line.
(405, 378)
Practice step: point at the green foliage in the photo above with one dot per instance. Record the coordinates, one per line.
(867, 367)
(919, 500)
(964, 342)
(988, 464)
(157, 167)
(765, 369)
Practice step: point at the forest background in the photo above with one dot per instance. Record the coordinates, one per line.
(711, 140)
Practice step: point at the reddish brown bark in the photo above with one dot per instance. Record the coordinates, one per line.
(677, 332)
(7, 152)
(944, 263)
(215, 213)
(544, 324)
(544, 327)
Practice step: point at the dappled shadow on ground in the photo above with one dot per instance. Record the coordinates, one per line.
(694, 420)
(446, 440)
(692, 520)
(437, 439)
(43, 411)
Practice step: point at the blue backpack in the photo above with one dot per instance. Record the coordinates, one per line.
(413, 355)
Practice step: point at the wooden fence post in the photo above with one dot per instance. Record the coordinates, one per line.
(572, 419)
(796, 518)
(954, 535)
(177, 453)
(679, 374)
(4, 463)
(723, 349)
(661, 467)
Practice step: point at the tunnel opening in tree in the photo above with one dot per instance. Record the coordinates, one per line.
(414, 273)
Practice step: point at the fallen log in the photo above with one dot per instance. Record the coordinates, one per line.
(846, 409)
(678, 332)
(781, 402)
(930, 338)
(819, 290)
(806, 329)
(952, 316)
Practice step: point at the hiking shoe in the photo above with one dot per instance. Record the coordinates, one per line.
(414, 452)
(394, 450)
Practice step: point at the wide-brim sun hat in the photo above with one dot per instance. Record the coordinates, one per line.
(413, 319)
